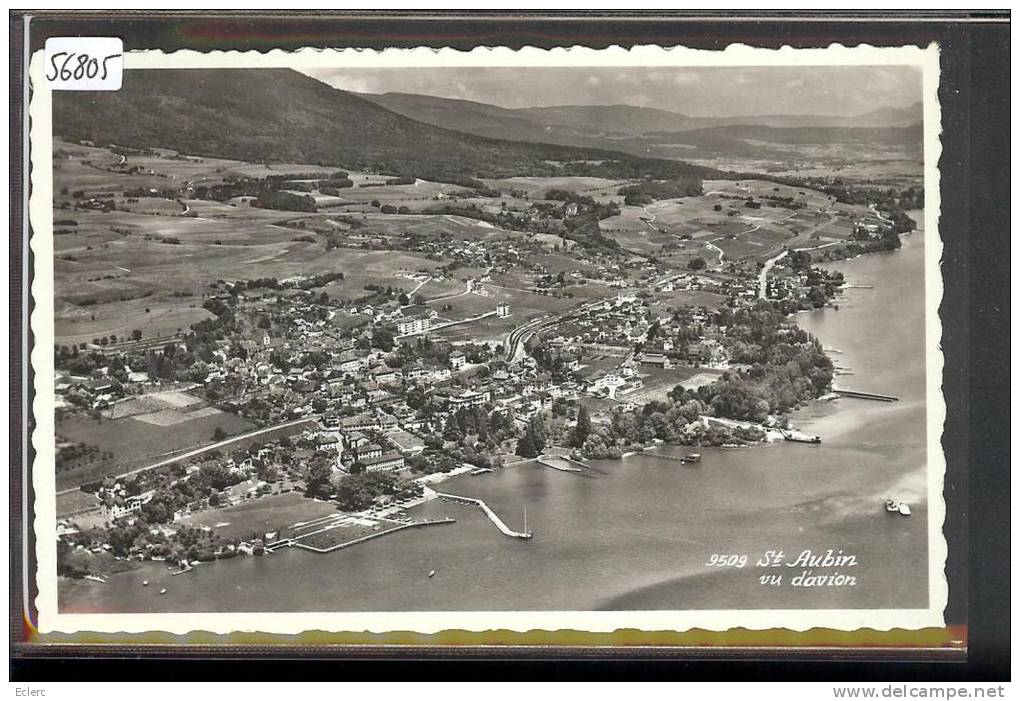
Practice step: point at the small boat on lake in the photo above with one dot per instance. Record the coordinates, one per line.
(145, 582)
(432, 573)
(798, 437)
(162, 591)
(691, 458)
(897, 507)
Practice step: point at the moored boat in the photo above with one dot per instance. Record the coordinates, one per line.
(894, 506)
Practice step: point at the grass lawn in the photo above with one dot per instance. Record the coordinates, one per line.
(658, 383)
(693, 298)
(469, 305)
(435, 289)
(270, 513)
(760, 244)
(599, 364)
(344, 534)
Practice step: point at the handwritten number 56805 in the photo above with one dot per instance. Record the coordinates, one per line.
(77, 66)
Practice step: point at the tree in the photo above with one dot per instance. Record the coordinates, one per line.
(697, 263)
(219, 434)
(583, 428)
(382, 339)
(403, 299)
(525, 446)
(536, 434)
(452, 430)
(268, 473)
(318, 483)
(799, 260)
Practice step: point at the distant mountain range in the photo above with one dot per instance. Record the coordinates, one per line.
(282, 115)
(594, 121)
(650, 132)
(285, 116)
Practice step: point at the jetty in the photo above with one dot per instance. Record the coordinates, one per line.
(683, 459)
(496, 520)
(546, 460)
(856, 394)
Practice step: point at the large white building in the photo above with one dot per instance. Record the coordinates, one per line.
(384, 462)
(413, 325)
(470, 398)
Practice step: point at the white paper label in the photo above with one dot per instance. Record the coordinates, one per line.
(84, 63)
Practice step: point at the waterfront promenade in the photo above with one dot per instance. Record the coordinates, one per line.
(296, 542)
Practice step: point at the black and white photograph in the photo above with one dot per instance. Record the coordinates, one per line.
(413, 340)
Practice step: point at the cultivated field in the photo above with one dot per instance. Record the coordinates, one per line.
(885, 165)
(137, 440)
(722, 218)
(599, 189)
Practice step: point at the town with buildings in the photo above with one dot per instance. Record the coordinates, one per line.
(371, 413)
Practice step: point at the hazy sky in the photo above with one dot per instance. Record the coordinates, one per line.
(708, 92)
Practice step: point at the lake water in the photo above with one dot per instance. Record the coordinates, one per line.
(637, 534)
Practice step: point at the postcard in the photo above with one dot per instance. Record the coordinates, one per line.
(424, 340)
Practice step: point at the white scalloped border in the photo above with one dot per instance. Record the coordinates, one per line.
(41, 217)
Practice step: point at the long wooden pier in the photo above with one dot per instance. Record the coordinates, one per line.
(496, 520)
(865, 395)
